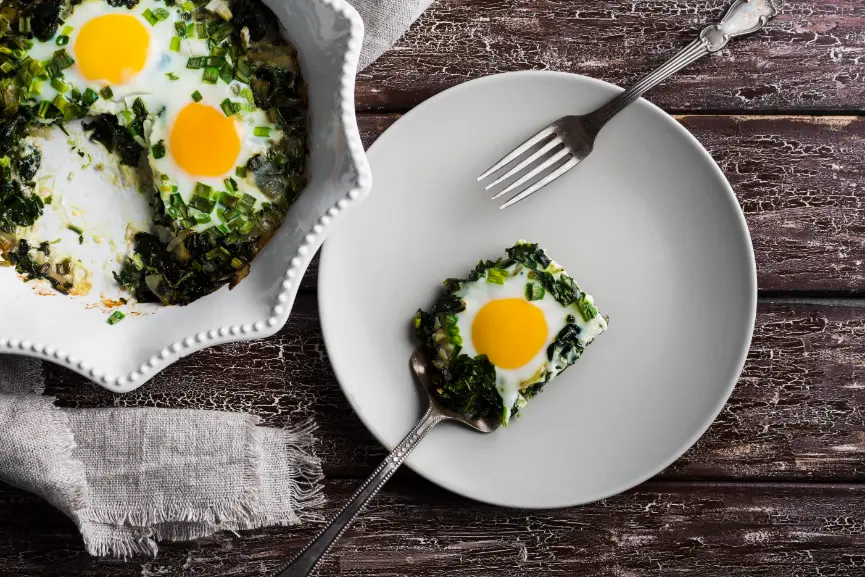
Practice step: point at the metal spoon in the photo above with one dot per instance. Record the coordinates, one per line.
(421, 365)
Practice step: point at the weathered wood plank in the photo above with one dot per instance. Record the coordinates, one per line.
(798, 180)
(807, 59)
(414, 528)
(795, 415)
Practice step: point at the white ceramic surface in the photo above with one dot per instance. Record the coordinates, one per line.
(71, 331)
(647, 224)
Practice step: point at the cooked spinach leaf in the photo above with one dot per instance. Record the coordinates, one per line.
(26, 264)
(107, 131)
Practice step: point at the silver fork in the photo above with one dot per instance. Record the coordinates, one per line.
(563, 144)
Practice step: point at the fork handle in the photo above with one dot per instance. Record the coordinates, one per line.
(308, 559)
(743, 17)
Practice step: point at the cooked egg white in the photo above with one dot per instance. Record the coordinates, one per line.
(515, 333)
(115, 47)
(119, 48)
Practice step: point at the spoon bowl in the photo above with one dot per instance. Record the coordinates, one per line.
(427, 376)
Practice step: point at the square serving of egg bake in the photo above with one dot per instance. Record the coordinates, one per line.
(507, 330)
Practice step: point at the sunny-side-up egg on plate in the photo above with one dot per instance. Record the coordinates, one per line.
(506, 331)
(219, 111)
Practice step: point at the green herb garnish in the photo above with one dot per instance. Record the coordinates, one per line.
(116, 317)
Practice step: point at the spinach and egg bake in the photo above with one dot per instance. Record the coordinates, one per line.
(203, 96)
(507, 330)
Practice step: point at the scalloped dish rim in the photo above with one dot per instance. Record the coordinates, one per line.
(361, 182)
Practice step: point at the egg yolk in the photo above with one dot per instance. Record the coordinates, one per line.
(203, 141)
(510, 332)
(112, 48)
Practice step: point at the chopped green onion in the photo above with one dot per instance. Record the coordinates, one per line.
(236, 263)
(228, 107)
(58, 85)
(36, 67)
(187, 6)
(230, 184)
(587, 309)
(203, 204)
(174, 46)
(172, 76)
(201, 218)
(48, 200)
(61, 103)
(190, 30)
(150, 17)
(196, 96)
(44, 107)
(116, 317)
(247, 94)
(246, 203)
(106, 93)
(228, 199)
(158, 150)
(194, 62)
(217, 253)
(211, 75)
(534, 291)
(75, 229)
(89, 97)
(240, 172)
(226, 73)
(161, 14)
(219, 31)
(180, 29)
(201, 30)
(67, 30)
(62, 40)
(215, 61)
(24, 26)
(202, 189)
(36, 87)
(246, 227)
(52, 70)
(497, 276)
(242, 71)
(62, 59)
(261, 131)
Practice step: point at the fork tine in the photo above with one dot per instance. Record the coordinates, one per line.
(527, 162)
(535, 171)
(517, 152)
(542, 182)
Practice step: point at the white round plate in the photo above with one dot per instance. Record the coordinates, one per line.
(647, 224)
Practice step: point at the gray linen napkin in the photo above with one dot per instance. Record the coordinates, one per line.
(384, 22)
(132, 477)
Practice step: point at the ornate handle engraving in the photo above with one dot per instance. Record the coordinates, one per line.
(743, 17)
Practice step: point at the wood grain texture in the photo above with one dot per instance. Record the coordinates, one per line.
(798, 180)
(795, 414)
(414, 528)
(807, 59)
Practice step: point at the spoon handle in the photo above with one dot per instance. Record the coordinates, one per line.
(308, 559)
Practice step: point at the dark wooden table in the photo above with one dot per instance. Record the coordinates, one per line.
(776, 485)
